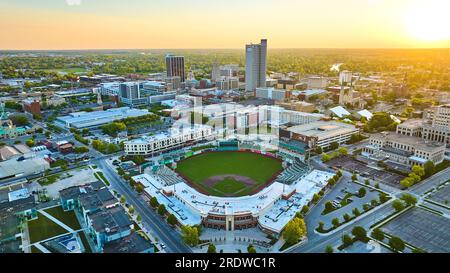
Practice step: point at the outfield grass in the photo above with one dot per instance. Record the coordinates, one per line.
(43, 228)
(256, 166)
(67, 218)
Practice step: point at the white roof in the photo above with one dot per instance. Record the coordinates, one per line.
(273, 212)
(18, 194)
(340, 111)
(365, 113)
(394, 118)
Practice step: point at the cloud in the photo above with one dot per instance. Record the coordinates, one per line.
(73, 2)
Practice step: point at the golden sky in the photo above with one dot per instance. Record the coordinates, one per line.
(108, 24)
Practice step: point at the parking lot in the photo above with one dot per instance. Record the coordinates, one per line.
(351, 165)
(441, 195)
(422, 229)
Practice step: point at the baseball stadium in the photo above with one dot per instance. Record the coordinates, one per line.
(232, 185)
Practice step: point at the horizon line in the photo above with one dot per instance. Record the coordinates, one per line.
(232, 48)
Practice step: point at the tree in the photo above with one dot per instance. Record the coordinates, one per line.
(346, 217)
(138, 159)
(367, 182)
(409, 199)
(347, 240)
(139, 218)
(326, 157)
(154, 202)
(335, 222)
(398, 205)
(131, 210)
(162, 209)
(172, 220)
(211, 248)
(396, 243)
(113, 128)
(354, 177)
(190, 235)
(316, 198)
(139, 188)
(319, 150)
(356, 212)
(305, 209)
(343, 151)
(329, 249)
(329, 206)
(378, 234)
(331, 182)
(123, 199)
(428, 168)
(383, 197)
(30, 142)
(19, 120)
(407, 182)
(361, 192)
(360, 233)
(251, 249)
(334, 145)
(294, 230)
(320, 227)
(418, 170)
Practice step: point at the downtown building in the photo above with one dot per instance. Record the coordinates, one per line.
(316, 134)
(166, 141)
(175, 67)
(136, 94)
(434, 127)
(255, 66)
(404, 149)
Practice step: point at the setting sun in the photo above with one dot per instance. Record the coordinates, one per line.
(429, 21)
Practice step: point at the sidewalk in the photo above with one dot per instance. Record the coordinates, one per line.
(66, 227)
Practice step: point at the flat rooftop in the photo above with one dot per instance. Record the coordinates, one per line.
(322, 129)
(97, 118)
(416, 142)
(188, 205)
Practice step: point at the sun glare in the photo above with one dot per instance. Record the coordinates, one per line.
(429, 20)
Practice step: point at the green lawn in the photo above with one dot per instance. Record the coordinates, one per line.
(86, 245)
(35, 250)
(228, 187)
(48, 180)
(101, 176)
(67, 218)
(43, 228)
(258, 167)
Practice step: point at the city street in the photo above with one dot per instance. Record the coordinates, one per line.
(151, 220)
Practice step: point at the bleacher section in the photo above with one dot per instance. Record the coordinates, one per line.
(168, 176)
(294, 172)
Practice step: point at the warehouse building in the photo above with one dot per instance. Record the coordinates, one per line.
(320, 133)
(81, 120)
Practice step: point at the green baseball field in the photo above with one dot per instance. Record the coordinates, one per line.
(230, 174)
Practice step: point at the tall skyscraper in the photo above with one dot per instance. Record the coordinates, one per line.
(175, 66)
(255, 65)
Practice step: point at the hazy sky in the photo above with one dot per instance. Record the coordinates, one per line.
(94, 24)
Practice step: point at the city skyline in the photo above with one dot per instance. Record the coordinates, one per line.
(198, 24)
